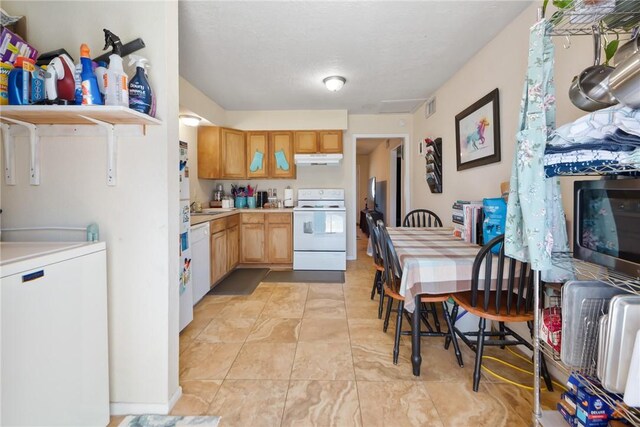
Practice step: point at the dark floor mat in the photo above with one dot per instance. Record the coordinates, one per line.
(308, 276)
(242, 281)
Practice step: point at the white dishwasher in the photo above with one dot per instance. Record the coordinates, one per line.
(200, 261)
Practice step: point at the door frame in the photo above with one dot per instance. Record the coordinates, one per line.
(351, 216)
(393, 172)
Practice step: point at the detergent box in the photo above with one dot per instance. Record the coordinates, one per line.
(12, 46)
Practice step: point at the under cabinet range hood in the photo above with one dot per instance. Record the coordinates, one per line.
(318, 159)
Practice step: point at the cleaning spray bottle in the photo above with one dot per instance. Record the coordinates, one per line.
(101, 77)
(116, 80)
(140, 96)
(90, 90)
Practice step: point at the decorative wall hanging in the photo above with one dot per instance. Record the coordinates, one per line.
(478, 133)
(433, 158)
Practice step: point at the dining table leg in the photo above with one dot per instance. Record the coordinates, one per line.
(416, 358)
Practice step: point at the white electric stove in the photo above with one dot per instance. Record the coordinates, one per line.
(319, 230)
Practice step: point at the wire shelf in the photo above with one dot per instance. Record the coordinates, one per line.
(590, 383)
(580, 16)
(587, 271)
(604, 170)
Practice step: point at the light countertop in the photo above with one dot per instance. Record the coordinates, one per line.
(199, 219)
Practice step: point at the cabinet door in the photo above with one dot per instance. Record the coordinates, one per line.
(252, 243)
(306, 141)
(232, 247)
(281, 153)
(218, 256)
(258, 142)
(280, 248)
(234, 156)
(209, 152)
(330, 141)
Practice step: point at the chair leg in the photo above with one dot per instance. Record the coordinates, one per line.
(386, 317)
(502, 333)
(396, 343)
(381, 303)
(479, 348)
(454, 316)
(452, 334)
(376, 280)
(436, 320)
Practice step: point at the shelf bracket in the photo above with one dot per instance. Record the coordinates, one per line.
(9, 155)
(112, 149)
(34, 156)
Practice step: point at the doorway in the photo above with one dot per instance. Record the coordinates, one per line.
(380, 157)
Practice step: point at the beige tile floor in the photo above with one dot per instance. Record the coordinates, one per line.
(315, 355)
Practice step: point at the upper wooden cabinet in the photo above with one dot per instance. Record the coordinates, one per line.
(323, 141)
(306, 141)
(234, 154)
(221, 153)
(209, 152)
(330, 141)
(258, 157)
(281, 155)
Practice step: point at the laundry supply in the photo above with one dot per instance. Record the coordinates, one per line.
(116, 81)
(140, 95)
(5, 69)
(19, 84)
(90, 90)
(101, 77)
(60, 80)
(37, 85)
(77, 79)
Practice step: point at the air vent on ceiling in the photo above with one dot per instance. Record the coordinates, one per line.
(430, 107)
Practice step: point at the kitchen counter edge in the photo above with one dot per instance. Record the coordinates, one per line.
(199, 219)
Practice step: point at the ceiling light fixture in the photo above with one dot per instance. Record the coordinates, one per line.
(334, 83)
(189, 120)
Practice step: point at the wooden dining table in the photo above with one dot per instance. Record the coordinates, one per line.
(433, 262)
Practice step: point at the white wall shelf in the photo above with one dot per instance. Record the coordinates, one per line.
(32, 117)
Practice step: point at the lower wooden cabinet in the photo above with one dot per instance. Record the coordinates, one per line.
(219, 266)
(266, 238)
(233, 247)
(224, 246)
(252, 243)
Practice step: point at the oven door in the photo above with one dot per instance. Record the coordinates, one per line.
(319, 230)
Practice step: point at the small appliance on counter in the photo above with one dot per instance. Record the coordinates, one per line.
(262, 197)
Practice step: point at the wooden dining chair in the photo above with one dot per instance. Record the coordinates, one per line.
(421, 218)
(393, 277)
(502, 291)
(378, 265)
(424, 218)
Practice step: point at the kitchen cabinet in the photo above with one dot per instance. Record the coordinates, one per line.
(266, 238)
(258, 142)
(218, 256)
(234, 156)
(233, 247)
(330, 141)
(224, 246)
(279, 239)
(306, 141)
(281, 155)
(252, 238)
(323, 141)
(221, 153)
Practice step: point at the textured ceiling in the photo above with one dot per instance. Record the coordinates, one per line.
(274, 55)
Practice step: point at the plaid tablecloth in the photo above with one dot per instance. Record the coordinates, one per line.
(433, 261)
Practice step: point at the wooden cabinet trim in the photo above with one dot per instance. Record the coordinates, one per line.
(252, 218)
(279, 218)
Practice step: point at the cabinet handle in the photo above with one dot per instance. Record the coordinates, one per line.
(32, 276)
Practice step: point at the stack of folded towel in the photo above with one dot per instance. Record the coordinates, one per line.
(607, 139)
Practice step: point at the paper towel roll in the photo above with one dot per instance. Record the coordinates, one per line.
(288, 197)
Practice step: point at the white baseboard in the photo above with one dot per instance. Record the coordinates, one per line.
(125, 408)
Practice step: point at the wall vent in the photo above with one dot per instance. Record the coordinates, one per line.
(430, 107)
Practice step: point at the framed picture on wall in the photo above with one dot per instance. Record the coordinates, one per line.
(478, 133)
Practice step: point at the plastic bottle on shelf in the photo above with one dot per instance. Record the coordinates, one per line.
(19, 83)
(116, 80)
(101, 73)
(140, 94)
(90, 90)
